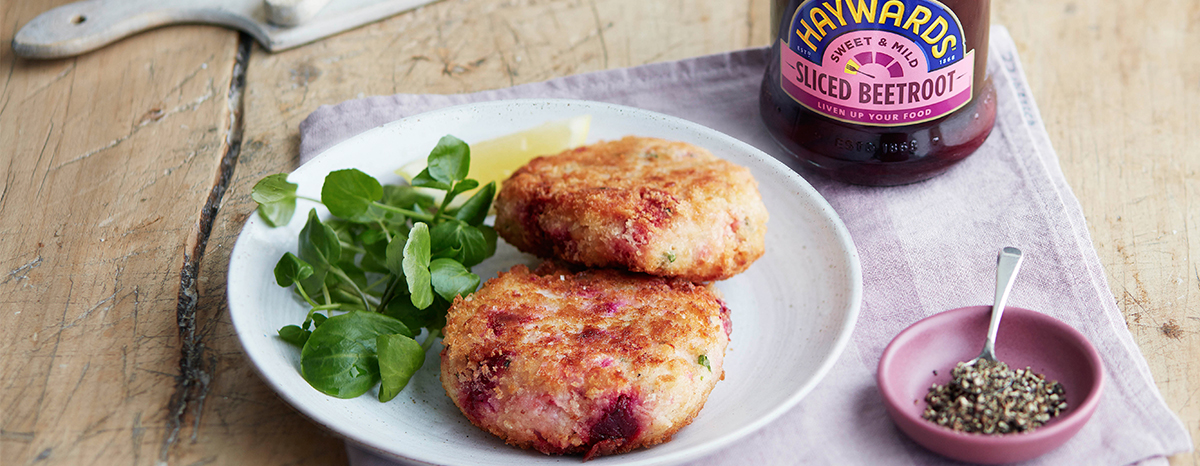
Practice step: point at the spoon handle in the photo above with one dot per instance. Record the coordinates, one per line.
(1008, 263)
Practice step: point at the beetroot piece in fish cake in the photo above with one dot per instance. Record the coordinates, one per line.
(664, 208)
(595, 362)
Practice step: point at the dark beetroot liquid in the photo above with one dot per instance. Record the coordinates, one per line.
(878, 155)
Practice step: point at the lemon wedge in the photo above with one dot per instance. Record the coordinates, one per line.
(497, 159)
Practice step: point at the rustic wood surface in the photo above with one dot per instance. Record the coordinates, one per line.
(126, 176)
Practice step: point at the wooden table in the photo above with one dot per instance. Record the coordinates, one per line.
(126, 176)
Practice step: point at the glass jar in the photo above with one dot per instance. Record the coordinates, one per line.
(879, 92)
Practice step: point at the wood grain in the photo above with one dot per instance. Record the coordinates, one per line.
(109, 162)
(105, 161)
(1121, 101)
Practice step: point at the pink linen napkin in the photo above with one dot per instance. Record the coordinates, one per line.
(912, 241)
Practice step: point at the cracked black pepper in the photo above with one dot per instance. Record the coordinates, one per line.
(988, 397)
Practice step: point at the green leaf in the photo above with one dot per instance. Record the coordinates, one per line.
(432, 317)
(375, 258)
(339, 367)
(451, 279)
(466, 243)
(353, 272)
(273, 188)
(277, 213)
(294, 335)
(459, 188)
(425, 180)
(450, 160)
(339, 359)
(319, 244)
(464, 186)
(423, 211)
(405, 197)
(489, 238)
(315, 319)
(394, 255)
(703, 361)
(404, 311)
(475, 210)
(276, 199)
(345, 230)
(445, 235)
(416, 266)
(348, 193)
(399, 358)
(290, 269)
(372, 236)
(320, 248)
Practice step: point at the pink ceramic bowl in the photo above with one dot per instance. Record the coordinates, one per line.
(1026, 338)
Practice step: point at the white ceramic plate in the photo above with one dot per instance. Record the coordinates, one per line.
(792, 311)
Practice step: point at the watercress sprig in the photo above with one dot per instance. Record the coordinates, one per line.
(388, 265)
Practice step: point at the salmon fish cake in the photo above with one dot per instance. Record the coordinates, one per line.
(660, 207)
(595, 362)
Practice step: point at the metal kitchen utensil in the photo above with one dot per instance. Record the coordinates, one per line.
(1007, 264)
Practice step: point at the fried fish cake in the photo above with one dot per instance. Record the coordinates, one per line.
(594, 362)
(665, 208)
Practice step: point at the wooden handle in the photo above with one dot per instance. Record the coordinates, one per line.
(81, 27)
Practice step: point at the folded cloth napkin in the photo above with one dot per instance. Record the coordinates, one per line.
(912, 241)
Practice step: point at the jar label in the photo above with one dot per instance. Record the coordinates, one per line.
(877, 63)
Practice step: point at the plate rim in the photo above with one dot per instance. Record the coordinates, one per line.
(826, 210)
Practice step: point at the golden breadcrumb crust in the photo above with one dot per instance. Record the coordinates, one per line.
(648, 205)
(594, 362)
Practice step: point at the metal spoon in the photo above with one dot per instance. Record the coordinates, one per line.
(1007, 264)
